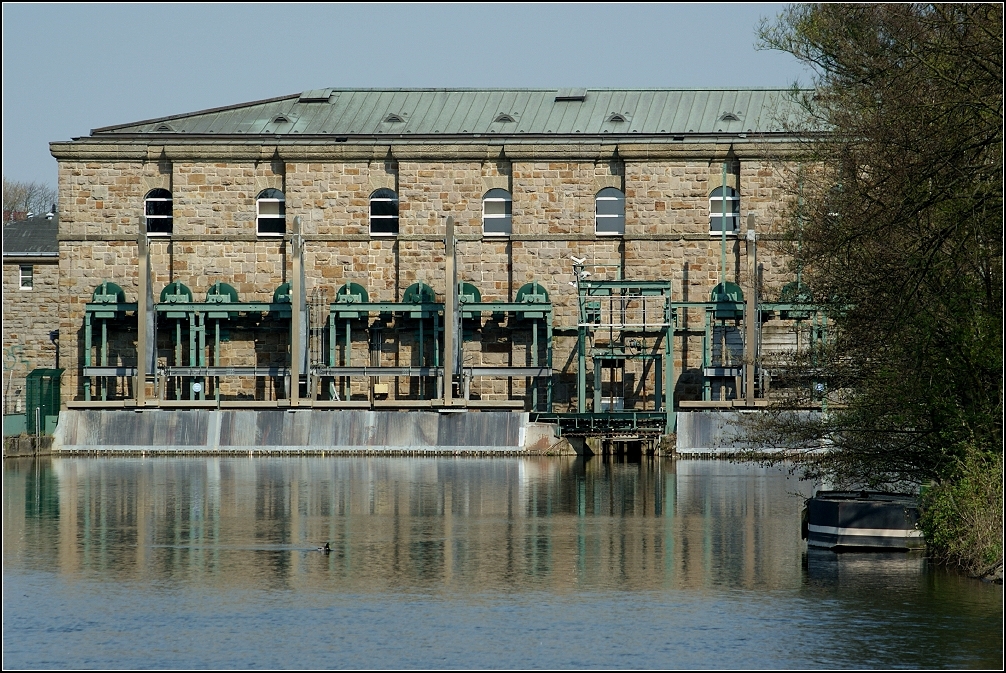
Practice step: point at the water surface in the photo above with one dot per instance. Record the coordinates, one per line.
(455, 563)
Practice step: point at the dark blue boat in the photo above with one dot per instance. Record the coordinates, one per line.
(862, 520)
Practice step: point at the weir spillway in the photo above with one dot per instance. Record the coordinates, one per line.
(301, 431)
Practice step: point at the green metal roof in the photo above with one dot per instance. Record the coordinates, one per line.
(486, 113)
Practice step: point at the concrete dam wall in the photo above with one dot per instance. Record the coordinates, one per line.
(300, 431)
(721, 432)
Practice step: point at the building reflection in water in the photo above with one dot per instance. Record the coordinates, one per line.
(407, 524)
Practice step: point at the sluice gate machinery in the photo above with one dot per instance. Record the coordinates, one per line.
(621, 321)
(196, 330)
(332, 350)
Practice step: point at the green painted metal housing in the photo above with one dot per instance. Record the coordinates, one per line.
(531, 293)
(796, 293)
(419, 293)
(729, 300)
(281, 295)
(221, 293)
(469, 294)
(176, 293)
(348, 294)
(110, 294)
(43, 399)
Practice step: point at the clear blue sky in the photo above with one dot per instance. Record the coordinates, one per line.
(69, 68)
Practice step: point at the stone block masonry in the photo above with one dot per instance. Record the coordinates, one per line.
(553, 220)
(29, 315)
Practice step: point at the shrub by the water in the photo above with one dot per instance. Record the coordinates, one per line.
(962, 517)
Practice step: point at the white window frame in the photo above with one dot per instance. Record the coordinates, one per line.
(260, 216)
(148, 217)
(601, 216)
(716, 210)
(29, 277)
(508, 217)
(384, 218)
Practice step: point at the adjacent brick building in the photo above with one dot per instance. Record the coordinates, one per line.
(30, 303)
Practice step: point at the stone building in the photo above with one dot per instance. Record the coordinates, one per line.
(30, 303)
(355, 187)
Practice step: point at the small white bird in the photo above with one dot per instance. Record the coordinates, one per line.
(578, 260)
(572, 283)
(584, 274)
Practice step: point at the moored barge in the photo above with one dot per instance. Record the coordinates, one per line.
(862, 520)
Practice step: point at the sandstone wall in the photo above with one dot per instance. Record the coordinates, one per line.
(28, 317)
(666, 237)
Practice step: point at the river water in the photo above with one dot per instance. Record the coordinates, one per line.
(456, 563)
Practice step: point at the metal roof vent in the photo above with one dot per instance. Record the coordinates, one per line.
(729, 117)
(570, 95)
(280, 119)
(615, 117)
(164, 128)
(315, 96)
(504, 118)
(393, 119)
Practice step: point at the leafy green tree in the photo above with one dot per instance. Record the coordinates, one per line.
(898, 229)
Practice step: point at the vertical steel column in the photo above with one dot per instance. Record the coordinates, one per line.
(450, 305)
(104, 358)
(723, 230)
(436, 354)
(216, 359)
(707, 358)
(333, 337)
(581, 370)
(87, 354)
(178, 358)
(193, 330)
(347, 354)
(548, 355)
(143, 263)
(581, 345)
(669, 418)
(824, 341)
(376, 346)
(750, 318)
(296, 315)
(658, 383)
(534, 363)
(597, 384)
(201, 320)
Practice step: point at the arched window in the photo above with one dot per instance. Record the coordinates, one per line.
(271, 213)
(159, 212)
(609, 212)
(733, 210)
(384, 213)
(497, 213)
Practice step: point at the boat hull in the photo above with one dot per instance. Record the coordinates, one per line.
(842, 520)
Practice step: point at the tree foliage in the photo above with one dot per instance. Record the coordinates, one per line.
(21, 198)
(900, 227)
